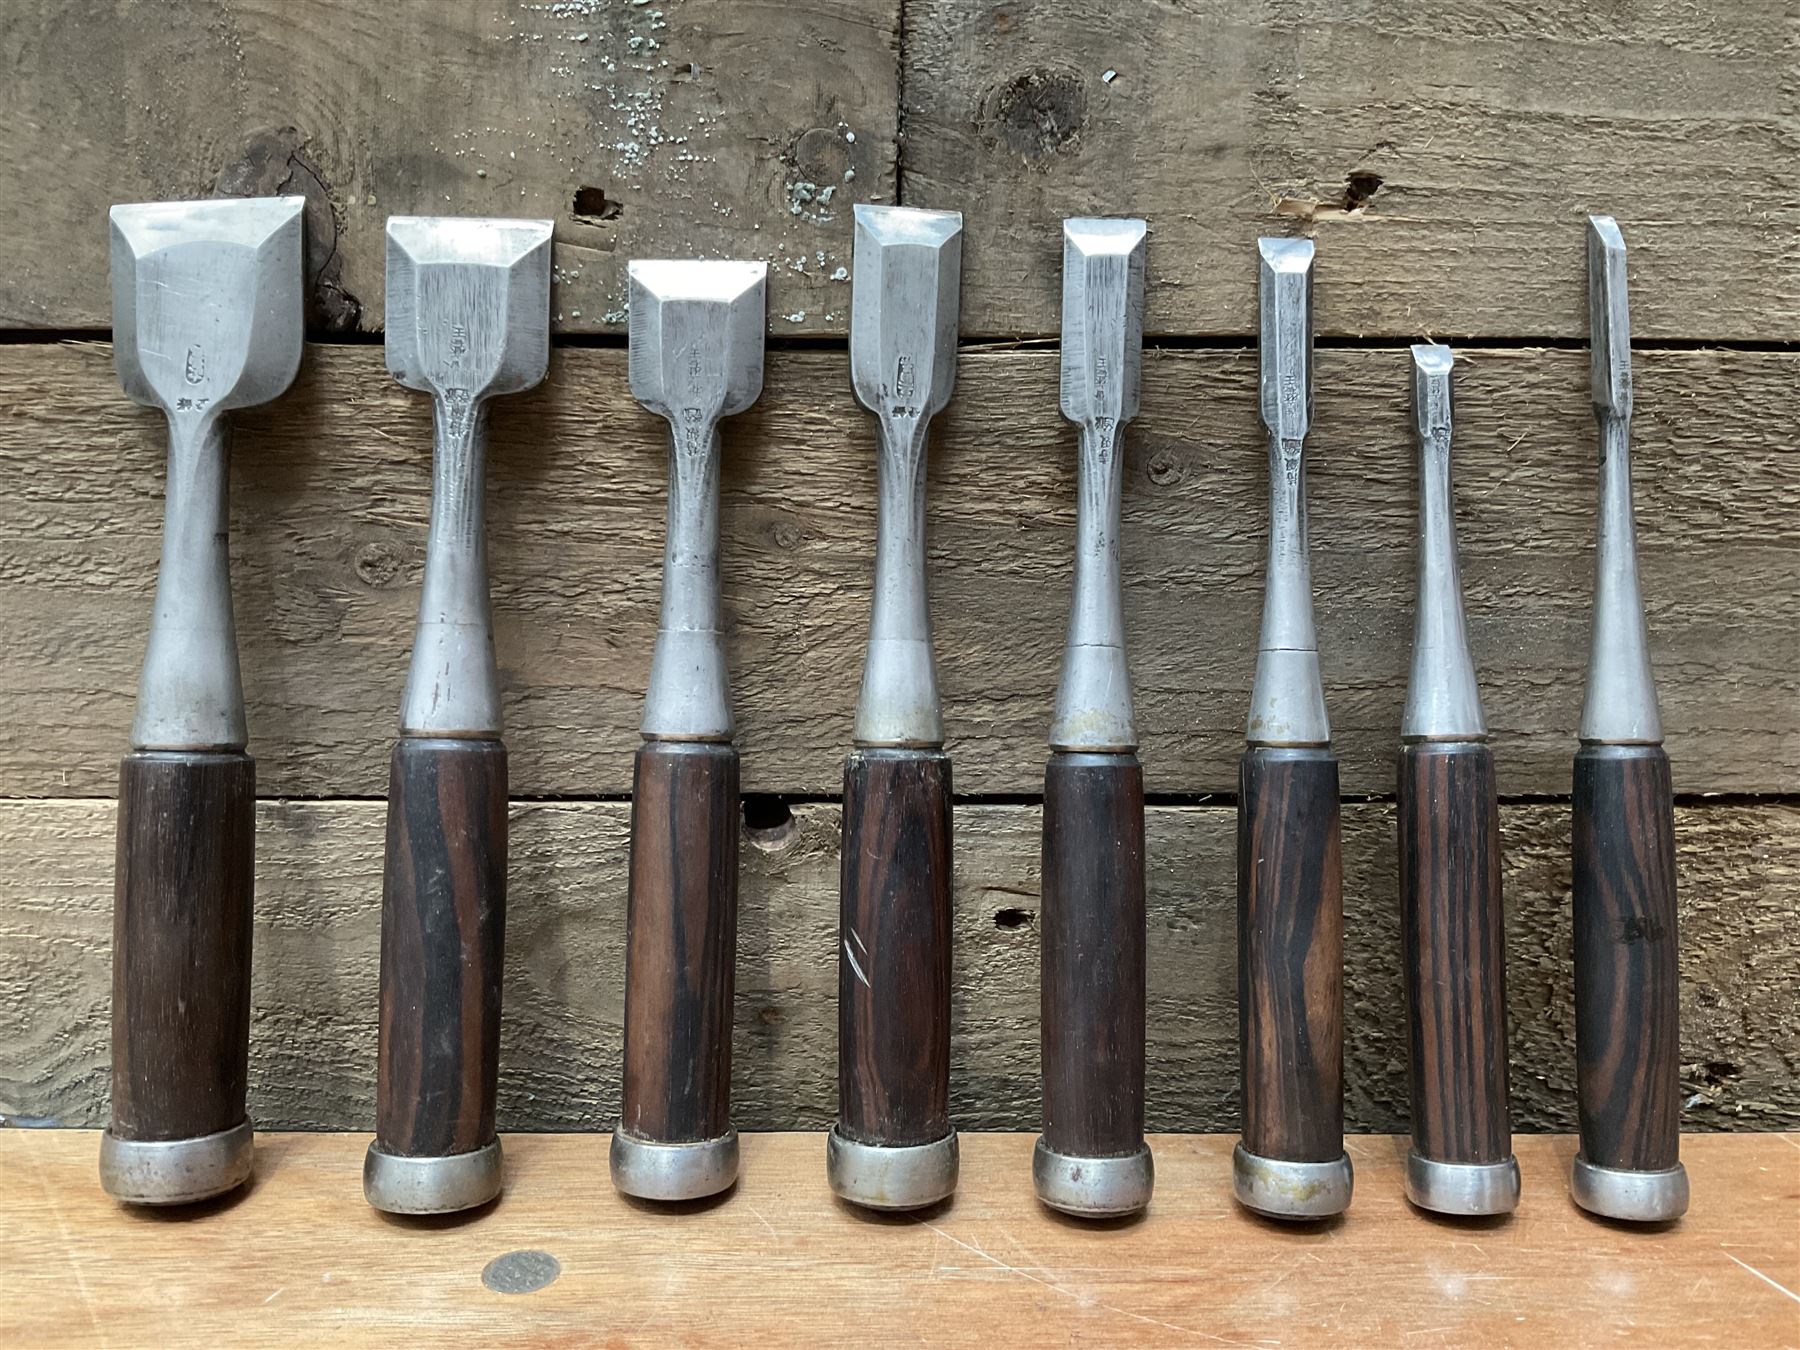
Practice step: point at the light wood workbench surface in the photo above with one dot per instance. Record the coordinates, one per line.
(300, 1259)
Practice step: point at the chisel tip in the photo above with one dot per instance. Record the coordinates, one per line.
(1285, 299)
(1102, 318)
(1432, 364)
(1609, 322)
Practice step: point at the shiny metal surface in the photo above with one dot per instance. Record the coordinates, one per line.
(1468, 1189)
(1291, 1190)
(468, 319)
(903, 322)
(1102, 357)
(1620, 707)
(208, 316)
(652, 1171)
(176, 1171)
(1287, 702)
(1443, 701)
(1637, 1197)
(891, 1178)
(696, 333)
(396, 1184)
(1093, 1188)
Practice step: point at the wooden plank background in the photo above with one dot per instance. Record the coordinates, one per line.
(1443, 163)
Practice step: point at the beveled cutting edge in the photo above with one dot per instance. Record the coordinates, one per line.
(1102, 357)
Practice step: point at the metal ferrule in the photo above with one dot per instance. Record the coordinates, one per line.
(1620, 708)
(899, 704)
(453, 685)
(1287, 702)
(1102, 354)
(689, 697)
(1443, 702)
(190, 696)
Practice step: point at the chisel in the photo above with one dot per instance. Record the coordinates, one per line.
(696, 334)
(468, 320)
(893, 1146)
(1091, 1159)
(1627, 1032)
(1449, 833)
(208, 316)
(1291, 1162)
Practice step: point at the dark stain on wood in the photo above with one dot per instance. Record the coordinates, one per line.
(1627, 1033)
(1453, 925)
(681, 943)
(894, 948)
(1291, 954)
(1092, 992)
(184, 876)
(443, 920)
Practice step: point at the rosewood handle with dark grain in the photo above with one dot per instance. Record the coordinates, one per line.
(1454, 928)
(181, 944)
(1092, 921)
(443, 915)
(1627, 1016)
(894, 949)
(681, 943)
(1290, 954)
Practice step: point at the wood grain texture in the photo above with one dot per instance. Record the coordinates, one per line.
(330, 499)
(1443, 159)
(1290, 952)
(300, 1259)
(641, 130)
(1627, 958)
(894, 944)
(1454, 922)
(443, 947)
(1091, 996)
(317, 938)
(183, 881)
(681, 943)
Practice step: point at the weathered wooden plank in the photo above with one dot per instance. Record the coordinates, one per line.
(314, 1020)
(299, 1259)
(1443, 157)
(734, 128)
(330, 507)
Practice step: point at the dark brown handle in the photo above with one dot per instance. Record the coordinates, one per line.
(183, 884)
(1451, 912)
(1093, 955)
(681, 943)
(443, 920)
(1627, 1015)
(894, 949)
(1291, 954)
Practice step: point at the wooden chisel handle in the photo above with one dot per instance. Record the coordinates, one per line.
(181, 953)
(1093, 972)
(1454, 929)
(1290, 979)
(1627, 1032)
(680, 968)
(443, 923)
(894, 949)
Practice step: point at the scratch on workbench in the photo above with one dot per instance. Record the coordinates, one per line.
(87, 1299)
(272, 1297)
(1773, 1284)
(764, 1222)
(1068, 1293)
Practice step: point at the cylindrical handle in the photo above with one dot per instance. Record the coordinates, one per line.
(1291, 1163)
(443, 922)
(675, 1140)
(1092, 1158)
(894, 980)
(1454, 929)
(181, 976)
(1627, 1033)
